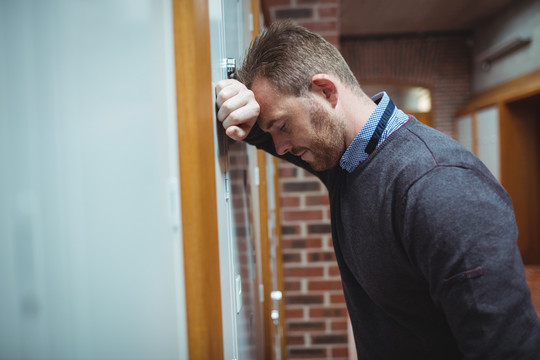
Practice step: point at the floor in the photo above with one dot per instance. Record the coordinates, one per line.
(532, 272)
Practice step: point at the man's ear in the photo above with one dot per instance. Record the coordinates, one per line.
(325, 85)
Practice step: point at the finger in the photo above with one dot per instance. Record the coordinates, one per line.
(236, 133)
(238, 101)
(243, 116)
(225, 89)
(223, 84)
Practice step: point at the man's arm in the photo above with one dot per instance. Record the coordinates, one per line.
(461, 234)
(238, 111)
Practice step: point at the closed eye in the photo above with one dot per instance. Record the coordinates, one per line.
(283, 127)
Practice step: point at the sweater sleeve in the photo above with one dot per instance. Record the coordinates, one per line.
(460, 232)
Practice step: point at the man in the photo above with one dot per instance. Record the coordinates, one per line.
(424, 235)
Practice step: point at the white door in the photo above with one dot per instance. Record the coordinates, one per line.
(90, 248)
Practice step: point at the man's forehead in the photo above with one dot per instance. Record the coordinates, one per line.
(270, 102)
(263, 85)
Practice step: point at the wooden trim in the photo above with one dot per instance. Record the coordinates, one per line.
(474, 130)
(265, 255)
(279, 258)
(197, 179)
(517, 88)
(520, 170)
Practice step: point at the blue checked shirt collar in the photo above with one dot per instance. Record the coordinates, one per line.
(355, 153)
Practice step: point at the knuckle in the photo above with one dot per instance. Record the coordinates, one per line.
(226, 107)
(235, 118)
(250, 94)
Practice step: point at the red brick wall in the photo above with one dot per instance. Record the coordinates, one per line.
(320, 16)
(315, 311)
(316, 315)
(441, 63)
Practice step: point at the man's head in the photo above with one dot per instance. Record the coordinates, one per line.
(310, 102)
(289, 55)
(305, 126)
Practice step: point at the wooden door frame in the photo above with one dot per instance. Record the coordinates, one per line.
(501, 96)
(197, 178)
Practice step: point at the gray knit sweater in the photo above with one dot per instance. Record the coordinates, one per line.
(425, 239)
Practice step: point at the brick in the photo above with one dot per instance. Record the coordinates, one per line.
(314, 200)
(294, 244)
(290, 229)
(291, 258)
(297, 13)
(289, 201)
(329, 11)
(301, 243)
(320, 26)
(322, 256)
(337, 298)
(294, 313)
(301, 186)
(339, 325)
(295, 340)
(304, 215)
(313, 243)
(305, 325)
(303, 299)
(326, 312)
(306, 353)
(280, 2)
(329, 339)
(340, 352)
(319, 229)
(324, 285)
(291, 285)
(303, 271)
(333, 271)
(288, 172)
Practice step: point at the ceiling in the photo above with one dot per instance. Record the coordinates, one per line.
(380, 17)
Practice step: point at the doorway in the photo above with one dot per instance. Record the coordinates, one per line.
(520, 170)
(520, 175)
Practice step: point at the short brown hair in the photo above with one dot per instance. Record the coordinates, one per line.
(288, 55)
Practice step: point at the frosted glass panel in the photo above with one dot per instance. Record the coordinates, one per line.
(488, 139)
(410, 98)
(464, 129)
(90, 247)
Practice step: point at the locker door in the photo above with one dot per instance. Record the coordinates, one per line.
(236, 182)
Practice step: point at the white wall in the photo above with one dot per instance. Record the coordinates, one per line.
(90, 248)
(488, 139)
(520, 18)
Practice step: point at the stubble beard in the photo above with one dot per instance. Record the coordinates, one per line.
(328, 138)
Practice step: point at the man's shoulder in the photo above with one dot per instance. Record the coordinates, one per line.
(417, 141)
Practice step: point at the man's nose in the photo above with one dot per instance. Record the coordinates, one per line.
(283, 146)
